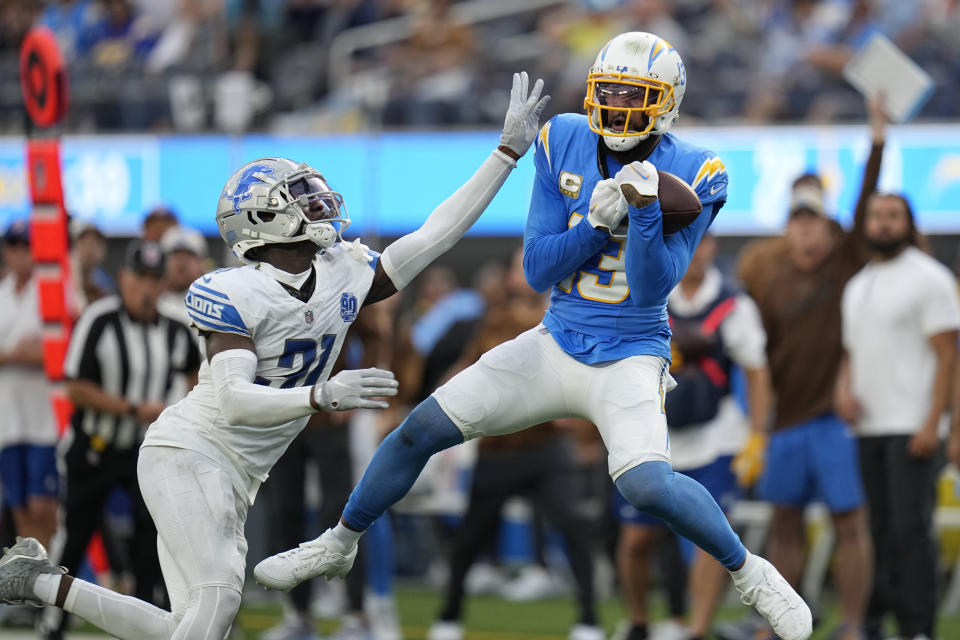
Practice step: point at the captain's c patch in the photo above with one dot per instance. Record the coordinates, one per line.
(570, 184)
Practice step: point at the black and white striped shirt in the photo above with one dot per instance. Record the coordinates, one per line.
(124, 357)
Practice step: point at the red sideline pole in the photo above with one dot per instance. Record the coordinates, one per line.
(43, 81)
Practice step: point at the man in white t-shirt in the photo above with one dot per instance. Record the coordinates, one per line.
(28, 432)
(900, 320)
(714, 328)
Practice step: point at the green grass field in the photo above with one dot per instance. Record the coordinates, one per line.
(490, 618)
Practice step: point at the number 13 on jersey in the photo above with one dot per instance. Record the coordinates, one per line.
(605, 281)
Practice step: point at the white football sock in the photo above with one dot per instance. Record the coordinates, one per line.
(46, 586)
(122, 616)
(345, 537)
(747, 574)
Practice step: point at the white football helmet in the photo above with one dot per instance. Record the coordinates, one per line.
(277, 201)
(634, 88)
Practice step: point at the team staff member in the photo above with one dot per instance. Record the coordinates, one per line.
(122, 359)
(797, 282)
(900, 320)
(28, 432)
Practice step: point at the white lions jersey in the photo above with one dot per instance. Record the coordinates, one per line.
(296, 342)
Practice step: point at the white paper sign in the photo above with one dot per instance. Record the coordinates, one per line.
(880, 66)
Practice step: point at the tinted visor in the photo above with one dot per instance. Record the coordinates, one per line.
(615, 94)
(316, 199)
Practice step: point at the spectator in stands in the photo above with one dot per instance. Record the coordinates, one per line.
(88, 250)
(797, 283)
(434, 70)
(537, 463)
(901, 315)
(157, 222)
(28, 431)
(715, 328)
(113, 40)
(16, 18)
(71, 22)
(121, 361)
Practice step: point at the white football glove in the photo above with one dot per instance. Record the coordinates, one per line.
(351, 389)
(607, 205)
(522, 123)
(639, 183)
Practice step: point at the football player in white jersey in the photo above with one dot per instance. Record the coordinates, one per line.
(272, 330)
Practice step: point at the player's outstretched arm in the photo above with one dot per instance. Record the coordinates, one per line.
(233, 366)
(408, 256)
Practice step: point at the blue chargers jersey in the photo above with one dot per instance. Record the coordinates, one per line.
(594, 316)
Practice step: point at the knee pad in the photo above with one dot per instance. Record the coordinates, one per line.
(648, 487)
(210, 614)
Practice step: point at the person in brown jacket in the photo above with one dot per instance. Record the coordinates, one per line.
(797, 281)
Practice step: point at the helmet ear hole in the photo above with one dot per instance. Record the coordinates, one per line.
(266, 216)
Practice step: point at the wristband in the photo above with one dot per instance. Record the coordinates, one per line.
(504, 149)
(132, 411)
(313, 401)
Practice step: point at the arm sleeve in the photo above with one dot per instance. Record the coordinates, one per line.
(243, 402)
(655, 264)
(411, 254)
(552, 250)
(743, 334)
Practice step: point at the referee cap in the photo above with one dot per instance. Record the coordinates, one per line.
(145, 258)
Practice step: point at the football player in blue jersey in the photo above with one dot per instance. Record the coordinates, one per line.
(595, 237)
(271, 332)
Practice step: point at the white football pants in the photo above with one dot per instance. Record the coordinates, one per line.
(530, 380)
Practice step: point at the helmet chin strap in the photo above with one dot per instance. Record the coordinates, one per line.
(621, 143)
(321, 233)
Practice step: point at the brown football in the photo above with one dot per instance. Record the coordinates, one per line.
(678, 201)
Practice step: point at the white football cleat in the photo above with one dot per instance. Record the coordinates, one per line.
(320, 557)
(761, 586)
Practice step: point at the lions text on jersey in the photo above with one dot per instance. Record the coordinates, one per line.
(296, 343)
(591, 314)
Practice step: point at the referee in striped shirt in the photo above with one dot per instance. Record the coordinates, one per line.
(122, 358)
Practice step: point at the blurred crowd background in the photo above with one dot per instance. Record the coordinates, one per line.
(322, 65)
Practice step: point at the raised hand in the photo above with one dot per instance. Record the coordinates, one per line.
(522, 121)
